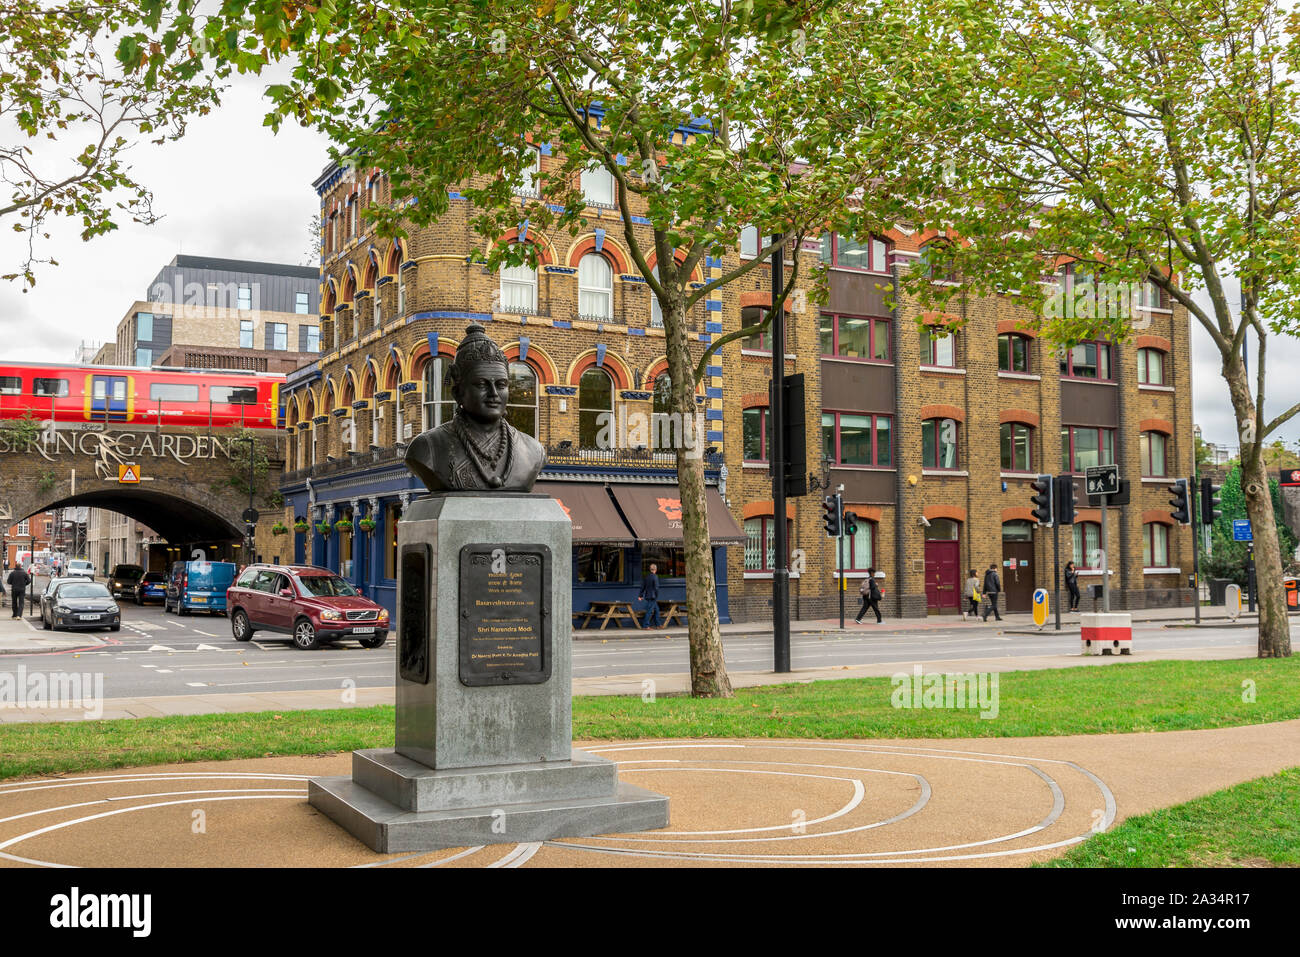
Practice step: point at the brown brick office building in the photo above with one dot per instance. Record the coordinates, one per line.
(934, 441)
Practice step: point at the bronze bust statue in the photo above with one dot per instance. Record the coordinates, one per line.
(478, 449)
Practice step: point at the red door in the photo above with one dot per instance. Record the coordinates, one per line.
(943, 577)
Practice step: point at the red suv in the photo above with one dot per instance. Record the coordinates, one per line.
(311, 604)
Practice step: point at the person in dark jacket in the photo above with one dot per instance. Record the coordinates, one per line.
(870, 592)
(18, 582)
(650, 593)
(1072, 583)
(992, 588)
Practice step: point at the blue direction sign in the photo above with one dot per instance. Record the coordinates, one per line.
(1241, 530)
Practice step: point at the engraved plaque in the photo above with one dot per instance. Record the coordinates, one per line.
(505, 615)
(413, 635)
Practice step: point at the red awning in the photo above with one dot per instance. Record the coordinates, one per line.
(591, 510)
(655, 514)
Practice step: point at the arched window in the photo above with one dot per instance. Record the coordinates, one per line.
(439, 403)
(1155, 545)
(1017, 447)
(663, 394)
(1087, 545)
(1018, 531)
(595, 408)
(598, 186)
(1154, 460)
(1151, 367)
(939, 444)
(595, 287)
(521, 410)
(760, 542)
(519, 289)
(943, 530)
(1013, 353)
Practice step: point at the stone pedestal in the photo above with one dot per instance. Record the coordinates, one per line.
(484, 749)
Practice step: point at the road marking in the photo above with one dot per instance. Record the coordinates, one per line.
(163, 671)
(160, 648)
(207, 634)
(196, 684)
(209, 647)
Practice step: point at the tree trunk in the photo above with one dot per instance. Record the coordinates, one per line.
(708, 669)
(1274, 626)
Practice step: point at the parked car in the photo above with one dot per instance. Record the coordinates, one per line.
(310, 604)
(124, 579)
(152, 586)
(77, 603)
(47, 593)
(198, 586)
(79, 568)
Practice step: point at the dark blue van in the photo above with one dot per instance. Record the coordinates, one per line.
(198, 586)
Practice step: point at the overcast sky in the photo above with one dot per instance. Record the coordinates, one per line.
(232, 189)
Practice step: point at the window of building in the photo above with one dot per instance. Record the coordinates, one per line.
(379, 309)
(245, 333)
(760, 543)
(1087, 545)
(11, 385)
(532, 169)
(1151, 367)
(595, 287)
(936, 264)
(670, 561)
(599, 563)
(521, 410)
(1155, 545)
(939, 444)
(1153, 447)
(313, 339)
(860, 547)
(1013, 353)
(1149, 296)
(845, 252)
(757, 433)
(301, 302)
(173, 392)
(595, 407)
(401, 292)
(52, 388)
(144, 326)
(279, 336)
(24, 527)
(144, 357)
(439, 403)
(1087, 360)
(1017, 447)
(245, 296)
(598, 186)
(760, 341)
(749, 244)
(354, 222)
(656, 311)
(940, 351)
(519, 289)
(1018, 531)
(1083, 448)
(851, 438)
(392, 515)
(855, 337)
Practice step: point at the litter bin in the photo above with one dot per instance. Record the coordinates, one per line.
(1218, 590)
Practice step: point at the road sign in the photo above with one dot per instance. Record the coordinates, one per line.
(1241, 530)
(1103, 480)
(128, 474)
(1040, 607)
(250, 516)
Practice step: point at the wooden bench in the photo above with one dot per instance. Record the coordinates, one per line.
(671, 610)
(607, 611)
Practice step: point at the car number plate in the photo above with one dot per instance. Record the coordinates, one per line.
(364, 631)
(198, 598)
(88, 617)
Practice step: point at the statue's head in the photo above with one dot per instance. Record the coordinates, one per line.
(480, 377)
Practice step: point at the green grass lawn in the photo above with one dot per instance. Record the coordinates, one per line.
(1152, 696)
(1252, 824)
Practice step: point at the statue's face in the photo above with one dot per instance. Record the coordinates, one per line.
(483, 392)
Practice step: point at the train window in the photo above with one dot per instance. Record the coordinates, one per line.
(233, 395)
(50, 387)
(11, 385)
(173, 392)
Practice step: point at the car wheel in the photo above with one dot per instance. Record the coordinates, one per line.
(376, 642)
(239, 627)
(116, 628)
(304, 635)
(45, 624)
(181, 610)
(139, 601)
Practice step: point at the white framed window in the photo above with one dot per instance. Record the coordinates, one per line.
(245, 333)
(519, 289)
(401, 293)
(531, 173)
(656, 312)
(598, 185)
(439, 403)
(595, 287)
(749, 244)
(379, 309)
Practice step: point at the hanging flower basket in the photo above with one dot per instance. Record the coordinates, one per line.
(324, 527)
(366, 524)
(343, 525)
(279, 528)
(301, 525)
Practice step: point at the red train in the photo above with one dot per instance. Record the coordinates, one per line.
(215, 397)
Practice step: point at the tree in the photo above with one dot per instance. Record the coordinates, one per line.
(708, 116)
(1152, 141)
(58, 85)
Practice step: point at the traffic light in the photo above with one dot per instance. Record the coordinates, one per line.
(850, 524)
(831, 519)
(1042, 500)
(1064, 492)
(1209, 499)
(1182, 509)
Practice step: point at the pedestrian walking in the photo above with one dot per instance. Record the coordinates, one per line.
(1072, 584)
(18, 582)
(870, 592)
(970, 591)
(650, 593)
(992, 588)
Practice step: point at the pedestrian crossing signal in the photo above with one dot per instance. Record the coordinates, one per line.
(1042, 499)
(1181, 511)
(850, 523)
(831, 515)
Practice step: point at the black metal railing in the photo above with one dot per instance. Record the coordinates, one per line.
(569, 454)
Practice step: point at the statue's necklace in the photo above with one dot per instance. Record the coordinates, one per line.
(488, 462)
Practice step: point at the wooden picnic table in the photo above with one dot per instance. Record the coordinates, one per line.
(670, 609)
(607, 611)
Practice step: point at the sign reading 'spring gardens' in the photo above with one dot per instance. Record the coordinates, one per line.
(120, 446)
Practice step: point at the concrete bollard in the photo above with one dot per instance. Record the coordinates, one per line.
(1107, 633)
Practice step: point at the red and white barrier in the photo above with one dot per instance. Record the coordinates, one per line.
(1107, 634)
